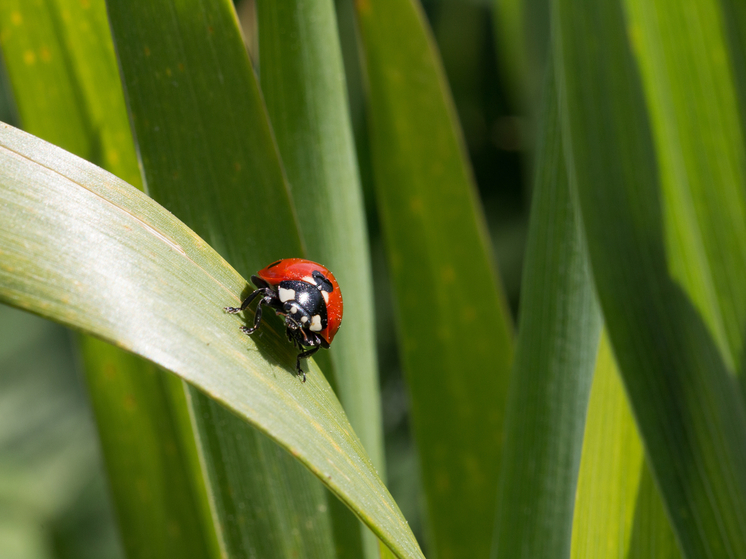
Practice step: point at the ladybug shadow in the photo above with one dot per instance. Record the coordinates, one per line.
(270, 338)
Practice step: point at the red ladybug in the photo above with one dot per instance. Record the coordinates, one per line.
(306, 295)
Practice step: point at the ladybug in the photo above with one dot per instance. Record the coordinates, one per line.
(306, 295)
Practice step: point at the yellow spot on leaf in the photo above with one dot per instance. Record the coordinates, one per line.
(29, 57)
(448, 274)
(130, 404)
(442, 482)
(112, 156)
(173, 528)
(468, 314)
(16, 18)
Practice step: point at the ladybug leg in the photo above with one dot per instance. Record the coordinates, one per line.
(294, 333)
(247, 301)
(257, 316)
(304, 355)
(309, 339)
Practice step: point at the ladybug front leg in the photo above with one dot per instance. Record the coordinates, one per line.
(257, 316)
(248, 300)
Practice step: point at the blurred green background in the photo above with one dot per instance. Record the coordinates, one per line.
(53, 497)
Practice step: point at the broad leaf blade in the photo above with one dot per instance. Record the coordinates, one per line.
(86, 249)
(456, 350)
(688, 407)
(555, 358)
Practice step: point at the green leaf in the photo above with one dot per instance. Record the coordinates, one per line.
(456, 350)
(209, 156)
(303, 83)
(266, 505)
(151, 459)
(618, 509)
(60, 58)
(522, 37)
(682, 56)
(687, 404)
(555, 358)
(52, 492)
(82, 247)
(60, 61)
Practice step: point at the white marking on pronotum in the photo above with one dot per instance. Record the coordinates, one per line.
(315, 323)
(286, 294)
(303, 319)
(309, 279)
(325, 295)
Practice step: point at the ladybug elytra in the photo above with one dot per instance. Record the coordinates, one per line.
(306, 295)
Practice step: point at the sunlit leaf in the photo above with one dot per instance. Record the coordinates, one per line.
(84, 248)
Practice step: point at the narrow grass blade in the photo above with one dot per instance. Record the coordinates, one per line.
(225, 180)
(455, 333)
(694, 115)
(269, 510)
(522, 40)
(303, 80)
(555, 358)
(303, 83)
(82, 247)
(162, 505)
(687, 404)
(60, 59)
(60, 62)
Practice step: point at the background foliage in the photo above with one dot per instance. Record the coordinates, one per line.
(536, 210)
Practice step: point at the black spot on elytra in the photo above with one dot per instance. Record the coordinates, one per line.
(321, 282)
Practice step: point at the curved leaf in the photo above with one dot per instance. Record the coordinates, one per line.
(82, 247)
